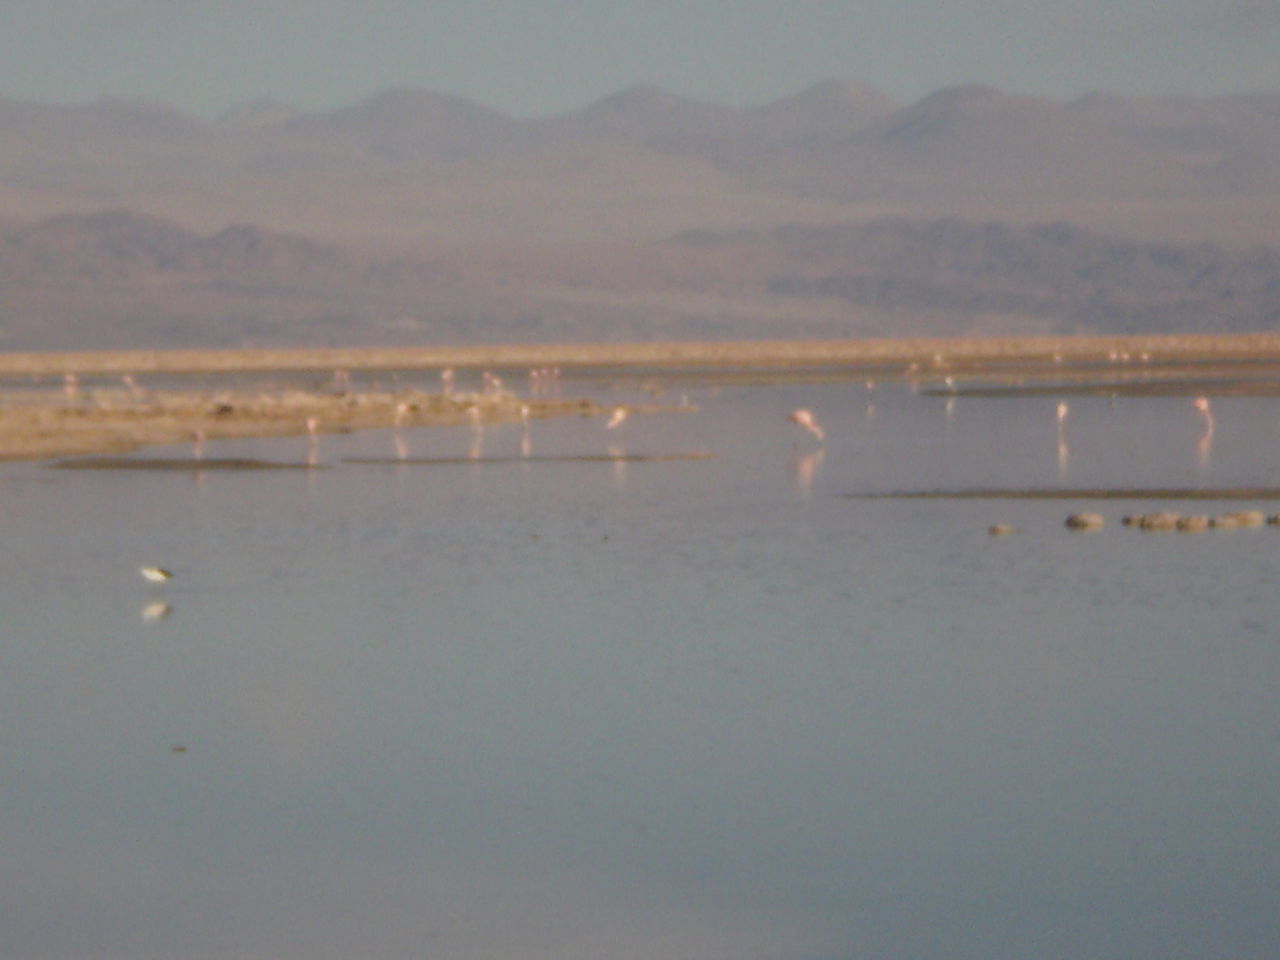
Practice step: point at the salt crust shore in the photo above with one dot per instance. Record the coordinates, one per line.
(40, 426)
(691, 354)
(47, 422)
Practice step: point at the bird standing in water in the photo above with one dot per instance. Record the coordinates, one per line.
(1202, 404)
(804, 418)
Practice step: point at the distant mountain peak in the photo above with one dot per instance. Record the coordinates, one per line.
(402, 105)
(966, 96)
(647, 97)
(836, 90)
(829, 110)
(257, 113)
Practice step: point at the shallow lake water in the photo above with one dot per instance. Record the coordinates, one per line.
(707, 708)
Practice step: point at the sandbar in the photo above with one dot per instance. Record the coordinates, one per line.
(38, 425)
(40, 419)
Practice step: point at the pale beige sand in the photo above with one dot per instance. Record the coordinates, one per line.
(761, 354)
(50, 424)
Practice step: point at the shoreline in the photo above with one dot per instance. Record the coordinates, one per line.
(747, 354)
(118, 421)
(44, 422)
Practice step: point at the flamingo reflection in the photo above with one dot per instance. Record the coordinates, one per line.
(313, 441)
(806, 468)
(1204, 446)
(1064, 452)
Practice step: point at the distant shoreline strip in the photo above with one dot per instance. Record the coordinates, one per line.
(661, 355)
(182, 465)
(1078, 493)
(576, 458)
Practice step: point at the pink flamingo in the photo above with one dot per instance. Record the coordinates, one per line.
(804, 418)
(197, 444)
(313, 441)
(1202, 404)
(1063, 451)
(1205, 444)
(526, 441)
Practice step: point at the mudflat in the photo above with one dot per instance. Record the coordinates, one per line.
(65, 418)
(54, 423)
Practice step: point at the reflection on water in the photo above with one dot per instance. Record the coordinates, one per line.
(586, 705)
(156, 610)
(806, 468)
(1204, 446)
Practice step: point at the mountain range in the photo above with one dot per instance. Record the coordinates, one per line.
(417, 216)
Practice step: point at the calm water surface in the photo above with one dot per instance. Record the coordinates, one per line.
(685, 709)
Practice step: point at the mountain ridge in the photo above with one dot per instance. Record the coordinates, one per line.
(418, 214)
(119, 279)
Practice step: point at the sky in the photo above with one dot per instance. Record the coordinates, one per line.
(540, 57)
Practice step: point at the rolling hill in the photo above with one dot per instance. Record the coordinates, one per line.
(834, 211)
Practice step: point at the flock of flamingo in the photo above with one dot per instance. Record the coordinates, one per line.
(546, 380)
(1088, 521)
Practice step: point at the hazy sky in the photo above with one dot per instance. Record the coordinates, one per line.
(545, 56)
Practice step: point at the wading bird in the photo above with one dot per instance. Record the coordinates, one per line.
(1063, 451)
(155, 574)
(1202, 404)
(1204, 446)
(804, 418)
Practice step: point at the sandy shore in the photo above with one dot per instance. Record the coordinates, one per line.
(660, 355)
(43, 424)
(49, 421)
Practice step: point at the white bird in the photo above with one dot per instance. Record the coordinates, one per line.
(804, 418)
(615, 421)
(155, 574)
(1202, 404)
